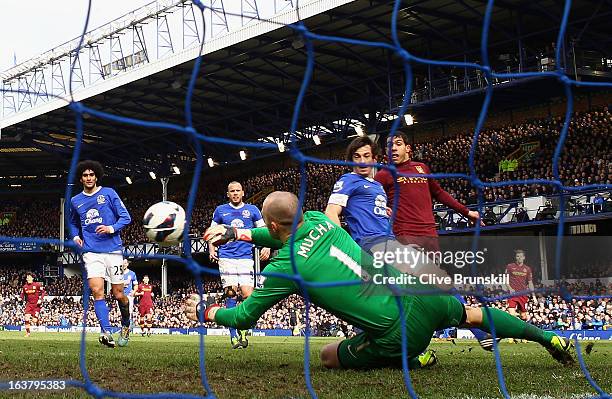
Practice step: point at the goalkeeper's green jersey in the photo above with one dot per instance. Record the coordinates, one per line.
(324, 253)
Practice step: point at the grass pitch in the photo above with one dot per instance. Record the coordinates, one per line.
(273, 368)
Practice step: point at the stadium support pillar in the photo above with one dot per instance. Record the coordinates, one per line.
(519, 34)
(62, 232)
(543, 260)
(164, 278)
(164, 267)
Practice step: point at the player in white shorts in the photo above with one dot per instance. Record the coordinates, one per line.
(97, 215)
(236, 258)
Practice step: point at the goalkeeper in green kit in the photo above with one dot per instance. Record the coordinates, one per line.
(325, 253)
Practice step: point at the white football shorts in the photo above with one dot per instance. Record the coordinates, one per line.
(236, 272)
(107, 266)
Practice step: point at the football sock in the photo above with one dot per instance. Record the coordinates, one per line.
(231, 303)
(124, 308)
(478, 333)
(27, 326)
(102, 314)
(508, 326)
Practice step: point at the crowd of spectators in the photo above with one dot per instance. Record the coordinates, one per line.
(32, 218)
(66, 308)
(586, 159)
(552, 312)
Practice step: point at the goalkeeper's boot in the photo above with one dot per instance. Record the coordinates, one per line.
(124, 336)
(428, 359)
(561, 349)
(236, 344)
(107, 340)
(487, 342)
(243, 338)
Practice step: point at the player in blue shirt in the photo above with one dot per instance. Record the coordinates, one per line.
(236, 258)
(363, 202)
(359, 197)
(130, 283)
(97, 216)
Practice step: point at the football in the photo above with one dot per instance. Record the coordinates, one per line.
(164, 223)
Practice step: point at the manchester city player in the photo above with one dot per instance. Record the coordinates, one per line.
(324, 254)
(97, 217)
(363, 201)
(236, 259)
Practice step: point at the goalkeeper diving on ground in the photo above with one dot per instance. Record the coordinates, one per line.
(325, 253)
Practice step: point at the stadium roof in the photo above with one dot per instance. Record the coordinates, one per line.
(250, 78)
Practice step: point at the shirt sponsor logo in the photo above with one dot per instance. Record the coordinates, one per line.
(238, 223)
(92, 216)
(380, 205)
(405, 180)
(101, 199)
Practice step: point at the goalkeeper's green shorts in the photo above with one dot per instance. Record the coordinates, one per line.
(424, 315)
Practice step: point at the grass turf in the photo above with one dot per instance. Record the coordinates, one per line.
(272, 367)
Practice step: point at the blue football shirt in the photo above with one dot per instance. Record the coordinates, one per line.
(88, 211)
(129, 279)
(365, 206)
(245, 216)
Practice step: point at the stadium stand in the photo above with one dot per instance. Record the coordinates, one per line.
(586, 160)
(65, 308)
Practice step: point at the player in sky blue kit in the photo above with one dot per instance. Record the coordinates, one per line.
(363, 202)
(236, 259)
(97, 217)
(130, 283)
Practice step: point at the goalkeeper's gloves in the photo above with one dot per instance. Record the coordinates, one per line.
(199, 310)
(203, 311)
(221, 234)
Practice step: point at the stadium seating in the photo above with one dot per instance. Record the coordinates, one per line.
(587, 160)
(551, 312)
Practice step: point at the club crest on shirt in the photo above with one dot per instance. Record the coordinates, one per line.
(101, 199)
(420, 169)
(246, 213)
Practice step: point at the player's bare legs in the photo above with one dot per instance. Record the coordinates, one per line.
(124, 308)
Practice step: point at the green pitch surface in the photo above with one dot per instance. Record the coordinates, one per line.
(272, 368)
